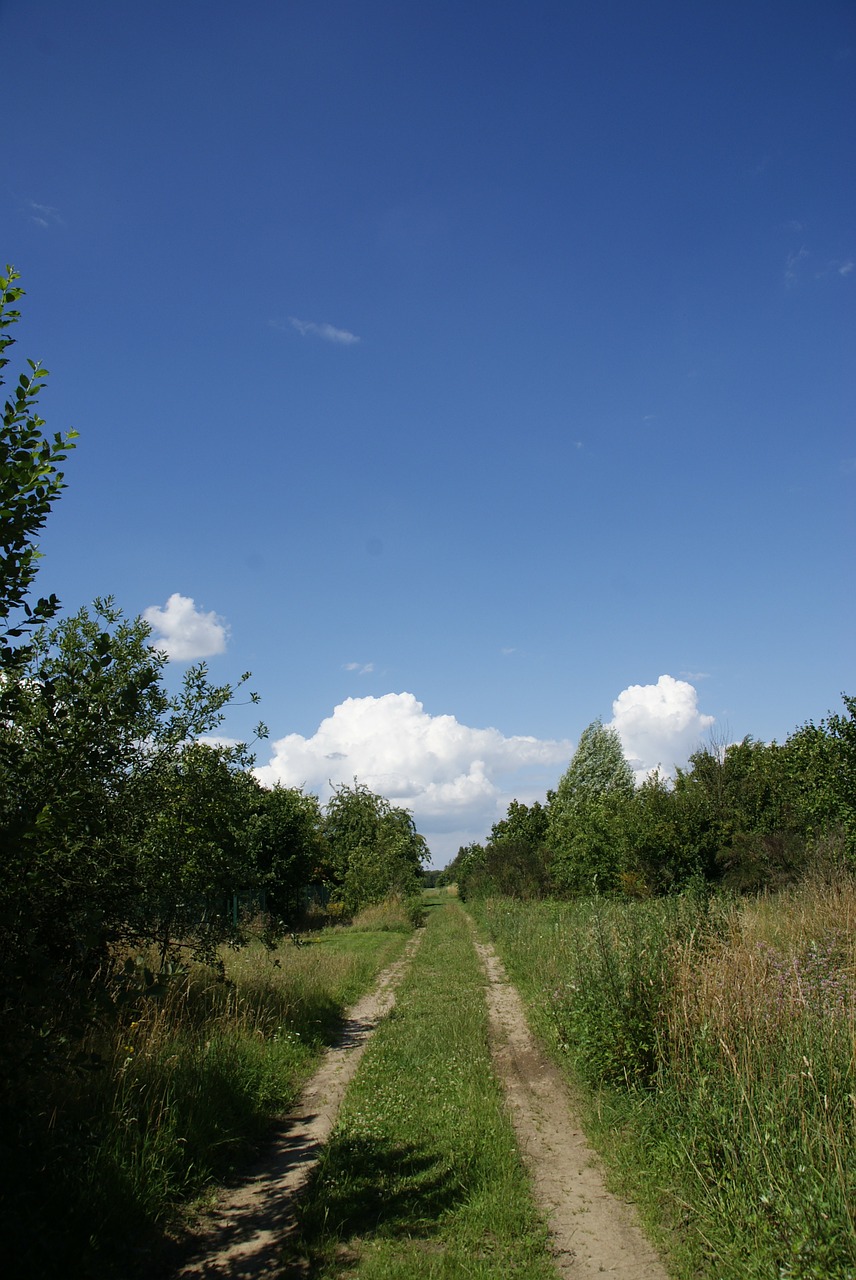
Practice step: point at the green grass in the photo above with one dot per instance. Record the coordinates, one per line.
(422, 1177)
(97, 1166)
(714, 1042)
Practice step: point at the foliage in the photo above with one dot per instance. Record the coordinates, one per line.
(587, 813)
(95, 1172)
(192, 849)
(667, 842)
(117, 828)
(30, 483)
(285, 846)
(749, 815)
(464, 868)
(374, 849)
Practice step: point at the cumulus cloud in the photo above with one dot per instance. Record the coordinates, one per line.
(185, 632)
(659, 724)
(326, 331)
(456, 780)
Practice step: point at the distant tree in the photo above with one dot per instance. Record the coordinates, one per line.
(746, 823)
(516, 859)
(285, 845)
(374, 849)
(821, 764)
(522, 824)
(665, 839)
(30, 483)
(465, 868)
(587, 814)
(192, 849)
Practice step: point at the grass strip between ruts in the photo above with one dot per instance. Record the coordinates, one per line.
(422, 1176)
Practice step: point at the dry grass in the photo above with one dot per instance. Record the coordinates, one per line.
(780, 961)
(719, 1038)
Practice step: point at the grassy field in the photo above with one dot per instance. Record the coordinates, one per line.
(98, 1166)
(422, 1177)
(716, 1040)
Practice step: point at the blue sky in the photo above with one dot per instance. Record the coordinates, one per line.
(468, 367)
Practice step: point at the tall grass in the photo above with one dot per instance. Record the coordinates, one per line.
(718, 1037)
(98, 1165)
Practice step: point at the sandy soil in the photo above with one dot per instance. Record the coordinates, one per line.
(594, 1233)
(241, 1237)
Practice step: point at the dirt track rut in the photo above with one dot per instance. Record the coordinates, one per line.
(243, 1236)
(593, 1232)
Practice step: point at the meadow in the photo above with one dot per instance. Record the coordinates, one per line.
(714, 1042)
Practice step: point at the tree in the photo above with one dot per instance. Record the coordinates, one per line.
(373, 847)
(105, 799)
(30, 483)
(284, 837)
(516, 861)
(666, 839)
(191, 850)
(749, 831)
(586, 826)
(465, 868)
(833, 775)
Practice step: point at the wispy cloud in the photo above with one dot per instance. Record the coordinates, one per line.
(327, 332)
(792, 265)
(846, 267)
(361, 668)
(44, 215)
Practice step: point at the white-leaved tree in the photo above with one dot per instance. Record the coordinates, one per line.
(584, 832)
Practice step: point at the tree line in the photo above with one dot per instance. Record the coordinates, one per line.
(122, 831)
(748, 815)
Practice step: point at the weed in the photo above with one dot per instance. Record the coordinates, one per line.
(717, 1038)
(98, 1163)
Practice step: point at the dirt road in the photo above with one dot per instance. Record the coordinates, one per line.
(593, 1233)
(241, 1238)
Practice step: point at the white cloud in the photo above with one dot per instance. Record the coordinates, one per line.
(325, 331)
(792, 265)
(44, 215)
(185, 632)
(659, 724)
(361, 668)
(456, 780)
(846, 268)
